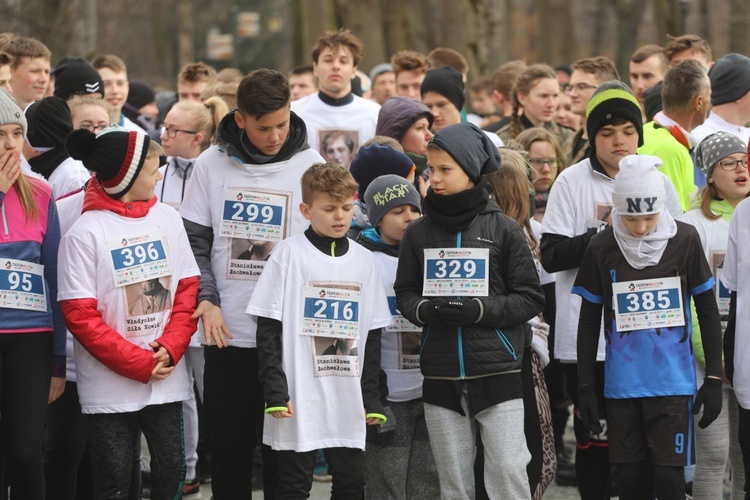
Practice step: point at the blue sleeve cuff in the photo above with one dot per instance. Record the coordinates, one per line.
(594, 299)
(708, 285)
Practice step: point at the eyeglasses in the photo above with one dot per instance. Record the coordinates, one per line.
(729, 165)
(93, 128)
(580, 87)
(172, 132)
(539, 162)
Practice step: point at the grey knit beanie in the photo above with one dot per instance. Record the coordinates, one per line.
(11, 113)
(470, 147)
(730, 78)
(387, 192)
(715, 148)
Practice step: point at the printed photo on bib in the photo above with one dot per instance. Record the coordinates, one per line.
(408, 350)
(338, 146)
(254, 222)
(603, 218)
(147, 303)
(22, 285)
(723, 295)
(331, 316)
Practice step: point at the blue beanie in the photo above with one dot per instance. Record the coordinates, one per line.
(375, 160)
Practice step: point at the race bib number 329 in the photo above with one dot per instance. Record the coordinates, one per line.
(456, 271)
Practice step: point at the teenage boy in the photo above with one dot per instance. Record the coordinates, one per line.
(383, 83)
(334, 107)
(241, 194)
(579, 205)
(5, 62)
(116, 87)
(648, 65)
(317, 289)
(472, 342)
(30, 69)
(410, 68)
(642, 271)
(193, 80)
(302, 82)
(128, 360)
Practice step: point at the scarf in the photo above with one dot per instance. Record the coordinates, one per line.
(456, 212)
(46, 163)
(646, 251)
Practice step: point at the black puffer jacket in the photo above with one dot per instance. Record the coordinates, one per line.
(495, 344)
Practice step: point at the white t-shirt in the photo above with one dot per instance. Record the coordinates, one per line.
(735, 278)
(300, 285)
(131, 126)
(69, 176)
(69, 211)
(210, 200)
(171, 188)
(139, 311)
(580, 198)
(714, 123)
(399, 345)
(358, 119)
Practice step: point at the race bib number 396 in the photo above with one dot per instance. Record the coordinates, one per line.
(644, 304)
(456, 271)
(138, 258)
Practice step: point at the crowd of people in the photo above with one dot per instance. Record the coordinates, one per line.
(334, 275)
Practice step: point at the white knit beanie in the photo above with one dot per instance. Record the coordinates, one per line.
(639, 188)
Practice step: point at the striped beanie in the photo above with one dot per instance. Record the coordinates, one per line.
(115, 154)
(612, 100)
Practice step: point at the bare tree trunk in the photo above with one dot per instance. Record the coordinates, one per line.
(365, 19)
(668, 18)
(628, 14)
(185, 32)
(738, 19)
(496, 39)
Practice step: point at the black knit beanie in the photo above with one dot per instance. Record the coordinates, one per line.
(375, 160)
(470, 147)
(49, 123)
(115, 154)
(611, 100)
(447, 82)
(140, 94)
(76, 76)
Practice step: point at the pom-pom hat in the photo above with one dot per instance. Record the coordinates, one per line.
(115, 154)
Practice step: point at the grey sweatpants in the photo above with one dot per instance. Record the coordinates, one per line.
(452, 437)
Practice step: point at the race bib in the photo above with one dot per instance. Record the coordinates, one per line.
(22, 285)
(138, 258)
(456, 271)
(253, 215)
(331, 312)
(400, 324)
(644, 304)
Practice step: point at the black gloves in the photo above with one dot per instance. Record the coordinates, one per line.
(453, 312)
(709, 396)
(588, 411)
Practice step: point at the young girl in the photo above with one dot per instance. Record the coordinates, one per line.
(537, 92)
(398, 458)
(189, 128)
(640, 272)
(510, 185)
(465, 273)
(32, 333)
(92, 114)
(128, 284)
(720, 157)
(546, 160)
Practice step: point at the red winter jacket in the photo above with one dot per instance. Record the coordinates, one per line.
(107, 345)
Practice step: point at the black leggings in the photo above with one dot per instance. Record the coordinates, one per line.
(25, 367)
(111, 438)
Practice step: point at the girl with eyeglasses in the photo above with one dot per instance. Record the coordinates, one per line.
(722, 157)
(545, 159)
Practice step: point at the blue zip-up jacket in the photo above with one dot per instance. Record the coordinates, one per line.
(495, 344)
(35, 241)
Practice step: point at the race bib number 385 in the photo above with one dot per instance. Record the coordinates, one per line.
(22, 285)
(138, 258)
(456, 271)
(331, 312)
(645, 304)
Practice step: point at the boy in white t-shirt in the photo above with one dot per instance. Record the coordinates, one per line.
(128, 285)
(320, 308)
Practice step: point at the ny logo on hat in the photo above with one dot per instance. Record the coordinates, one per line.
(634, 204)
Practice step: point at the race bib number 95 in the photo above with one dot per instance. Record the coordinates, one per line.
(22, 285)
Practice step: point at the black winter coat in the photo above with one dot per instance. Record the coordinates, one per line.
(496, 343)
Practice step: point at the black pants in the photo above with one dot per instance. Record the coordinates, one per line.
(111, 437)
(65, 441)
(346, 465)
(25, 367)
(744, 439)
(233, 404)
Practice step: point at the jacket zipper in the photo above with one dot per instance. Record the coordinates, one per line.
(425, 333)
(507, 344)
(460, 336)
(5, 221)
